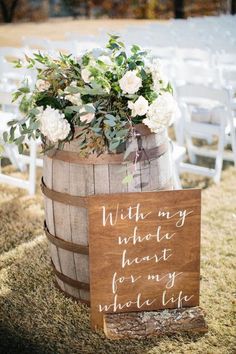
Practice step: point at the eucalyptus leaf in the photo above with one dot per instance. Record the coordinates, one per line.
(5, 137)
(72, 90)
(12, 122)
(20, 148)
(114, 144)
(89, 109)
(128, 179)
(110, 123)
(1, 149)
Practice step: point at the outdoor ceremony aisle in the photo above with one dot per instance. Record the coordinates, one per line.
(36, 318)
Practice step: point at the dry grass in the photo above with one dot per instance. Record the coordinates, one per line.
(36, 318)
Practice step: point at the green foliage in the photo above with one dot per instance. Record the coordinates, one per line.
(100, 97)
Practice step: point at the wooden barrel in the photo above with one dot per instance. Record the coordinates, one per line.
(68, 180)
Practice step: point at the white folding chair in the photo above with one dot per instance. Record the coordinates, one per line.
(207, 112)
(178, 156)
(11, 151)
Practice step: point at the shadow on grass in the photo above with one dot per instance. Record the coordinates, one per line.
(16, 343)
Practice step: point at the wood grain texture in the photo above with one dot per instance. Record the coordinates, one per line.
(148, 260)
(81, 184)
(137, 325)
(61, 183)
(49, 215)
(71, 222)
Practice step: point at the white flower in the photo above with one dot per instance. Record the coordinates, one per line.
(85, 74)
(73, 84)
(139, 107)
(87, 118)
(158, 77)
(53, 124)
(75, 99)
(105, 59)
(130, 83)
(161, 112)
(42, 85)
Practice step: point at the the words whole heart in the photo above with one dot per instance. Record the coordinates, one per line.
(144, 251)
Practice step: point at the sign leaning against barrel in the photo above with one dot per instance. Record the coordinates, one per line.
(144, 252)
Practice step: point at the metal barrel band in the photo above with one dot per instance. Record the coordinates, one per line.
(69, 246)
(106, 159)
(86, 302)
(64, 198)
(72, 282)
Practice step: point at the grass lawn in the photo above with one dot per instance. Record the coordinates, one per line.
(36, 318)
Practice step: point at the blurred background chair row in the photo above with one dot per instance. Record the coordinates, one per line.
(198, 56)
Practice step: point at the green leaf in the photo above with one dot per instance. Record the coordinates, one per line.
(12, 133)
(89, 109)
(5, 137)
(72, 89)
(143, 74)
(121, 58)
(21, 148)
(127, 179)
(139, 63)
(12, 122)
(122, 133)
(110, 117)
(19, 140)
(114, 144)
(110, 123)
(1, 149)
(71, 109)
(113, 36)
(24, 89)
(132, 66)
(16, 95)
(96, 130)
(135, 48)
(85, 60)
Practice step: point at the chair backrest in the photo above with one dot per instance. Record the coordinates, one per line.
(228, 77)
(193, 55)
(220, 95)
(226, 59)
(195, 74)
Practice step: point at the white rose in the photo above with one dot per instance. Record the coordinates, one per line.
(87, 118)
(53, 124)
(85, 74)
(105, 59)
(75, 99)
(42, 85)
(161, 112)
(158, 77)
(130, 83)
(139, 107)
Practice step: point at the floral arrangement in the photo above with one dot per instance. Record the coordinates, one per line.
(97, 98)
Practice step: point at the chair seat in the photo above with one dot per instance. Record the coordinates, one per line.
(205, 110)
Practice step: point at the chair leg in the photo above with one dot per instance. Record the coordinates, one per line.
(177, 182)
(192, 156)
(219, 157)
(233, 140)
